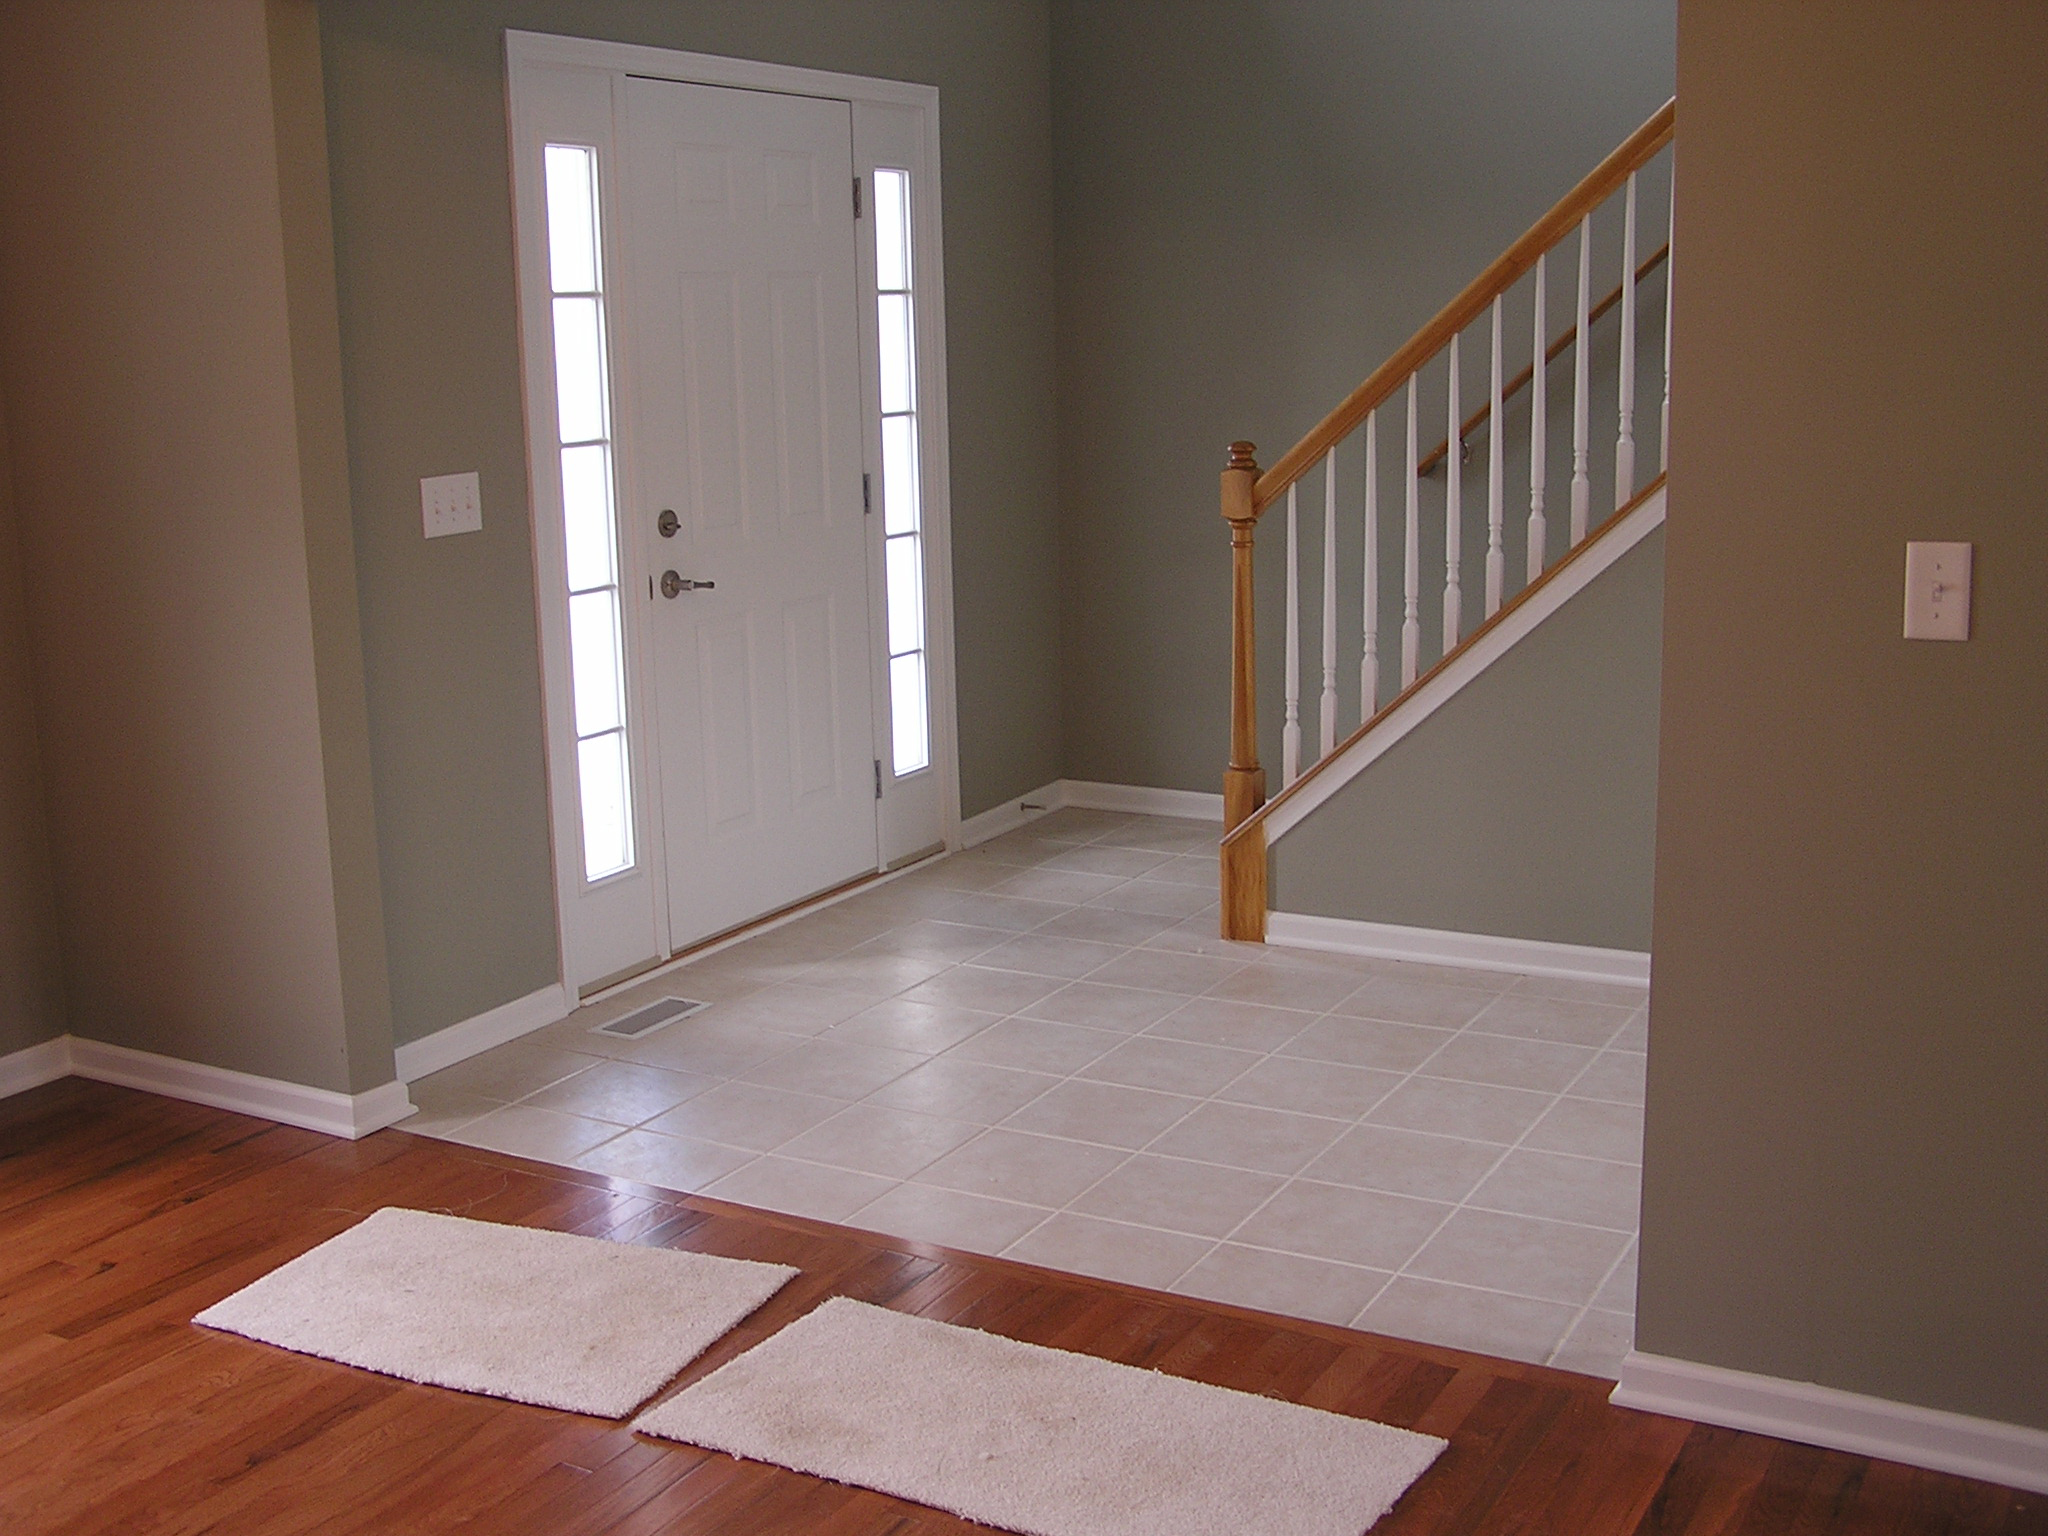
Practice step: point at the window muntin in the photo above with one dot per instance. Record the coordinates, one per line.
(597, 659)
(902, 498)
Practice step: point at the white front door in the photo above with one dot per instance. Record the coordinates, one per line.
(722, 341)
(741, 416)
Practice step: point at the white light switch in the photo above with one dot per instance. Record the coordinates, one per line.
(451, 504)
(1937, 591)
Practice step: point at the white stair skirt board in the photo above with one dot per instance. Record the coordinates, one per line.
(1027, 1438)
(458, 1042)
(313, 1109)
(1496, 643)
(35, 1066)
(1443, 946)
(2014, 1455)
(1087, 795)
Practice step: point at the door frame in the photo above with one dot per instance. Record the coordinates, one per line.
(570, 88)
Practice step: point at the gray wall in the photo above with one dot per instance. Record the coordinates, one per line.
(1526, 806)
(1257, 203)
(31, 979)
(1845, 1157)
(191, 638)
(416, 121)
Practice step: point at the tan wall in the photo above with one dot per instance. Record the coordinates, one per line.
(1257, 204)
(193, 676)
(1526, 806)
(1845, 1156)
(31, 984)
(422, 208)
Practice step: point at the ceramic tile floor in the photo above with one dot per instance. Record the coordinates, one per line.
(1039, 1048)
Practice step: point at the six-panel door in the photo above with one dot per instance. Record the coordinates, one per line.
(742, 393)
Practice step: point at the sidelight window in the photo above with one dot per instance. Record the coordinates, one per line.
(597, 658)
(902, 477)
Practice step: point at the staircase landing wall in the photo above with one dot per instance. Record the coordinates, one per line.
(1525, 807)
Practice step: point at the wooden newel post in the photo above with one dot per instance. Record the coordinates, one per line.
(1244, 781)
(1243, 862)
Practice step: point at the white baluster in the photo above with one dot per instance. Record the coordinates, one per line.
(1496, 557)
(1454, 512)
(1625, 444)
(1290, 735)
(1329, 700)
(1664, 423)
(1369, 660)
(1539, 433)
(1411, 559)
(1582, 392)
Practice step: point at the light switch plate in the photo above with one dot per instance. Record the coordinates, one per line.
(451, 504)
(1937, 591)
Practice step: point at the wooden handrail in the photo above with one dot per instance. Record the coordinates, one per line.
(1551, 354)
(1255, 823)
(1634, 153)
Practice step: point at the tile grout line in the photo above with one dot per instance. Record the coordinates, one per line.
(900, 917)
(1147, 1149)
(1580, 1316)
(1209, 1098)
(1074, 1075)
(1461, 1205)
(1360, 1119)
(1289, 1180)
(1296, 1177)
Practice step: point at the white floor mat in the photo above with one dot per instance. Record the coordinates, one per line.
(541, 1317)
(1039, 1440)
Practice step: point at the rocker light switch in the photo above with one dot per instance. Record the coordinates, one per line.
(451, 504)
(1937, 591)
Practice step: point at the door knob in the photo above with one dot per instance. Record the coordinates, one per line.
(666, 524)
(673, 585)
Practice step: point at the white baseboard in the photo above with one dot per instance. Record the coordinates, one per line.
(1473, 951)
(1087, 795)
(459, 1042)
(1011, 814)
(314, 1109)
(1143, 800)
(2010, 1454)
(35, 1066)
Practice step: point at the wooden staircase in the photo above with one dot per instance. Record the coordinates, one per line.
(1248, 493)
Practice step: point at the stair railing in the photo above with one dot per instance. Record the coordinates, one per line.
(1247, 494)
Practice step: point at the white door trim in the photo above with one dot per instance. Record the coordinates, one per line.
(582, 68)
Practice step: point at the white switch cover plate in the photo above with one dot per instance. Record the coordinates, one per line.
(1937, 591)
(451, 504)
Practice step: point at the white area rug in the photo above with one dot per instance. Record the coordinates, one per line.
(1039, 1440)
(539, 1317)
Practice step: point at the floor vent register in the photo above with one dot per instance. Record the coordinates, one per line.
(645, 1021)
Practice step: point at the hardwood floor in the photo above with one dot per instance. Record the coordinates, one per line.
(122, 1214)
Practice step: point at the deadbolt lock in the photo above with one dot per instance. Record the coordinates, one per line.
(666, 524)
(673, 585)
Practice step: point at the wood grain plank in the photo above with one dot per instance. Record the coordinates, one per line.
(121, 1215)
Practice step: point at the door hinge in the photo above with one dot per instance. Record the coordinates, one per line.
(856, 197)
(878, 778)
(867, 497)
